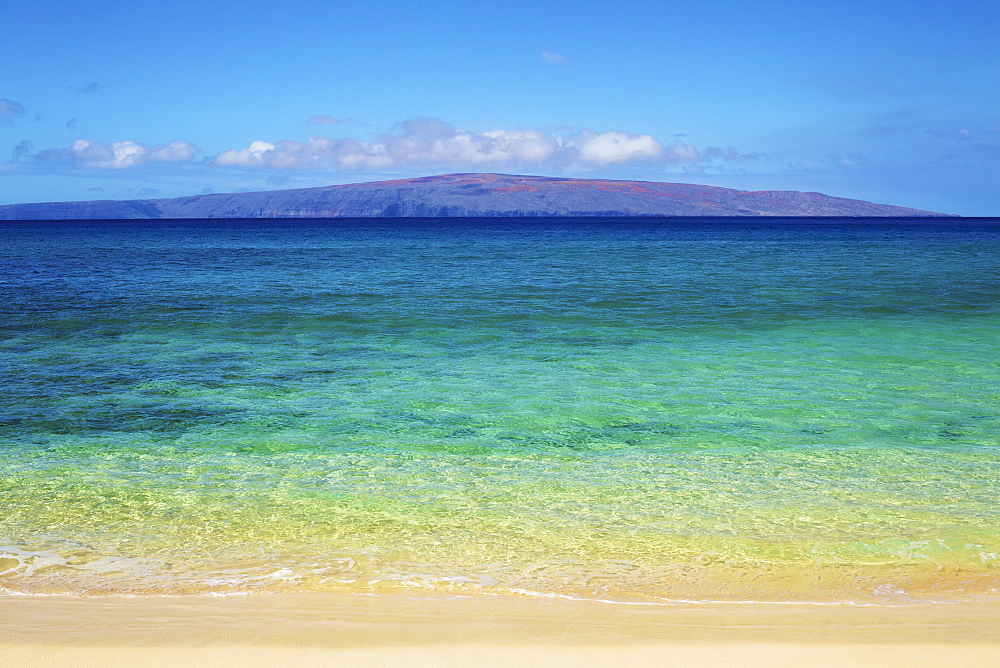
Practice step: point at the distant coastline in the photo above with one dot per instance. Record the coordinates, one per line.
(476, 196)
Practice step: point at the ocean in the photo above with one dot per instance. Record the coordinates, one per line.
(631, 410)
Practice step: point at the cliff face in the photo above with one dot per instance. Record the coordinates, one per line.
(454, 195)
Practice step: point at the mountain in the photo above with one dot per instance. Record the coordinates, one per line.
(455, 195)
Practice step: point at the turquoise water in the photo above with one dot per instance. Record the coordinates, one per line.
(783, 410)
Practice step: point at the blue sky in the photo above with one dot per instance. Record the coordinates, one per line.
(893, 102)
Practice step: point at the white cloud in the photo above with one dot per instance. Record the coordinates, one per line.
(258, 154)
(323, 119)
(175, 151)
(608, 147)
(554, 58)
(429, 142)
(525, 145)
(125, 154)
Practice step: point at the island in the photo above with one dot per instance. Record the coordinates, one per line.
(471, 195)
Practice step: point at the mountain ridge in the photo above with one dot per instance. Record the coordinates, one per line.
(472, 195)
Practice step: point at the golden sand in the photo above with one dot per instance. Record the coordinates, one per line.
(357, 630)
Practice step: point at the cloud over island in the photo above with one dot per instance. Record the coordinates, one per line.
(429, 142)
(118, 155)
(417, 143)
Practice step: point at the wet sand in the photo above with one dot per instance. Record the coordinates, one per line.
(358, 630)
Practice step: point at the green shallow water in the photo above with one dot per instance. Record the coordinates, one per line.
(630, 411)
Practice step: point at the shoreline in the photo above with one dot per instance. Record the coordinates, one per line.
(320, 629)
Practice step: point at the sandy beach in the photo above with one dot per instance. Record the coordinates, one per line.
(359, 630)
